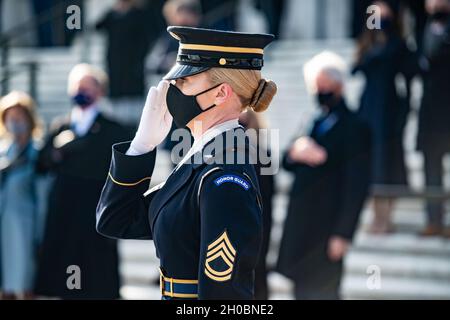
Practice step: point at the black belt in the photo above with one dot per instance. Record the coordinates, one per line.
(178, 288)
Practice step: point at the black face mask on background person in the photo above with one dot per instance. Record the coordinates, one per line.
(82, 99)
(386, 24)
(184, 108)
(326, 99)
(440, 16)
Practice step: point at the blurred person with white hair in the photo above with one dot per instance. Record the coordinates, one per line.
(331, 166)
(19, 196)
(434, 129)
(383, 57)
(77, 153)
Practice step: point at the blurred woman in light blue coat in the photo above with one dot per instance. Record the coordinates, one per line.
(19, 220)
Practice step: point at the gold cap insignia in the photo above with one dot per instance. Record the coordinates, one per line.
(222, 252)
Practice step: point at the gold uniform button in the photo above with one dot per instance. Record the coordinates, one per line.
(223, 62)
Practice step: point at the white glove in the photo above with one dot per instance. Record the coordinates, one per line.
(155, 123)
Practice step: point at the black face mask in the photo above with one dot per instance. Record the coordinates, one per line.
(386, 24)
(184, 108)
(326, 99)
(440, 16)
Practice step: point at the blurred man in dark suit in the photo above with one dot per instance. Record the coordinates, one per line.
(273, 11)
(219, 14)
(129, 38)
(331, 166)
(77, 153)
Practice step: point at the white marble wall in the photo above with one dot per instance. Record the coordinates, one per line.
(301, 19)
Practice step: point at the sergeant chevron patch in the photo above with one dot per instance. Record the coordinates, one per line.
(220, 259)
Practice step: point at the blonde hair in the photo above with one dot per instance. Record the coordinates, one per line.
(253, 91)
(26, 103)
(86, 70)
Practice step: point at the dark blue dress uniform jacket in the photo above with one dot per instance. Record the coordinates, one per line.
(206, 220)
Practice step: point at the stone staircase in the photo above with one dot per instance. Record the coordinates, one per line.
(410, 267)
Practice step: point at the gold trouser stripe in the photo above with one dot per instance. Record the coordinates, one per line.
(127, 184)
(180, 281)
(203, 47)
(180, 295)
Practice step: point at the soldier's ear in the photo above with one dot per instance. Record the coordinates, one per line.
(224, 92)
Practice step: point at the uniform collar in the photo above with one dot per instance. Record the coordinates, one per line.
(208, 136)
(213, 132)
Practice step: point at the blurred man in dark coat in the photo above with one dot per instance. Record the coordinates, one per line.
(77, 153)
(129, 37)
(434, 128)
(219, 14)
(332, 169)
(273, 11)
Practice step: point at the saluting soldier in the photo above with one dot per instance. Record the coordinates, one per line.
(206, 219)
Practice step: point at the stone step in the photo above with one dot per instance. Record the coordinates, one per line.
(139, 273)
(395, 283)
(138, 292)
(355, 287)
(399, 265)
(137, 251)
(402, 244)
(407, 253)
(422, 280)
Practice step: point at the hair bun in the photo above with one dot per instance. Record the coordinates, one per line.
(263, 95)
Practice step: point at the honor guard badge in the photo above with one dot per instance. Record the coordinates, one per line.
(220, 259)
(230, 178)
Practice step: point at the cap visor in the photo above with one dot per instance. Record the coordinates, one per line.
(182, 71)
